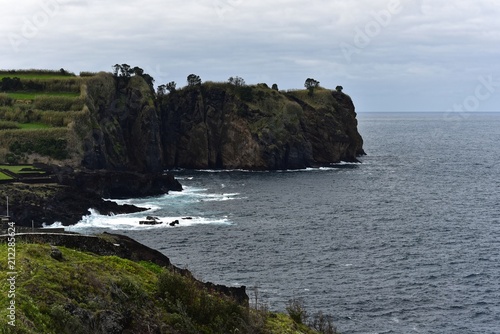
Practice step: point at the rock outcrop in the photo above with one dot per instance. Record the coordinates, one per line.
(254, 127)
(214, 125)
(121, 127)
(49, 203)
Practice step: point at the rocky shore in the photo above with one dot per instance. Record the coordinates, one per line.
(75, 192)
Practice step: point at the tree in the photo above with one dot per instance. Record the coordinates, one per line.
(149, 80)
(311, 84)
(116, 69)
(171, 86)
(274, 86)
(11, 84)
(126, 71)
(138, 71)
(237, 81)
(161, 90)
(193, 80)
(339, 89)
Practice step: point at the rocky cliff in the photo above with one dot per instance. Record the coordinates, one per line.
(255, 127)
(121, 130)
(214, 125)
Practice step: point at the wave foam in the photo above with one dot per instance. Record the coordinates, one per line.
(131, 222)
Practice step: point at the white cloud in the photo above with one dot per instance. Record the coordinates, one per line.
(423, 46)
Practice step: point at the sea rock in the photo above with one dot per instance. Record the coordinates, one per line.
(150, 220)
(122, 184)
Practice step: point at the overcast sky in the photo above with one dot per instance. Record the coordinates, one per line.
(389, 55)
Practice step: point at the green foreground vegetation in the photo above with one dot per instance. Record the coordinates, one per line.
(86, 293)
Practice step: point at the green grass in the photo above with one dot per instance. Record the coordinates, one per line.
(42, 76)
(4, 176)
(33, 126)
(70, 296)
(18, 169)
(33, 95)
(35, 74)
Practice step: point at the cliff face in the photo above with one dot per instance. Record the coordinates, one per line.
(224, 126)
(122, 131)
(214, 125)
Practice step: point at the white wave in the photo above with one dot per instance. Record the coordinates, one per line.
(230, 170)
(174, 202)
(133, 222)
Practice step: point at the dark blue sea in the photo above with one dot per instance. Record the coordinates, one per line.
(408, 241)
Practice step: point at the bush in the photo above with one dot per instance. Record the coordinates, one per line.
(8, 125)
(52, 147)
(87, 74)
(51, 142)
(58, 103)
(297, 311)
(208, 313)
(5, 100)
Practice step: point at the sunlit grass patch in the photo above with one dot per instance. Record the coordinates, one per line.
(33, 95)
(4, 176)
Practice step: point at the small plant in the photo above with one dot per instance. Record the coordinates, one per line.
(319, 321)
(323, 323)
(297, 311)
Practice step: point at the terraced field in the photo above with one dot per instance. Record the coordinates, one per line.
(36, 108)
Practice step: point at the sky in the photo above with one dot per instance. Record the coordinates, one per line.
(389, 55)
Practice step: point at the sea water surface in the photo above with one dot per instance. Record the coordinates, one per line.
(408, 241)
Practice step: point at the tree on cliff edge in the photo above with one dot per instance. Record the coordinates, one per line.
(311, 84)
(193, 80)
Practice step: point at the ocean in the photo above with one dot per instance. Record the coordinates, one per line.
(408, 241)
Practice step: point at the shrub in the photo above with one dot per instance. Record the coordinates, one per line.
(297, 311)
(323, 323)
(51, 142)
(5, 100)
(209, 313)
(245, 93)
(8, 125)
(87, 74)
(52, 147)
(58, 103)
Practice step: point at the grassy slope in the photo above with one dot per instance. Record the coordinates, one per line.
(85, 293)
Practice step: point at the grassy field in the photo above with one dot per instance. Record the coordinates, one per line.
(33, 95)
(4, 177)
(18, 169)
(36, 74)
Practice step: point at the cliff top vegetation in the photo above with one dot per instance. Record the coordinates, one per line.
(65, 290)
